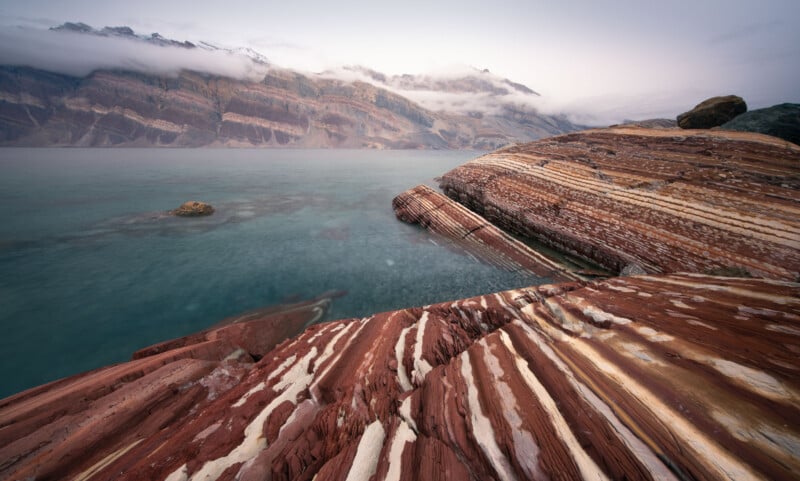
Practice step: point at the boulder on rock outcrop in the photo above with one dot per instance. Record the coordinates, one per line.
(781, 121)
(712, 112)
(193, 208)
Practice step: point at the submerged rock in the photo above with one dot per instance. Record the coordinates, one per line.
(781, 121)
(712, 112)
(573, 381)
(193, 208)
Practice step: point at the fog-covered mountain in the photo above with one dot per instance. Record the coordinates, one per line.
(146, 90)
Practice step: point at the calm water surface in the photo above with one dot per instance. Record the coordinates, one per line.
(91, 270)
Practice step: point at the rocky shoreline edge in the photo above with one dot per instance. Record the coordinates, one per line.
(675, 373)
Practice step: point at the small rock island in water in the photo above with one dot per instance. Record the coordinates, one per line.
(193, 208)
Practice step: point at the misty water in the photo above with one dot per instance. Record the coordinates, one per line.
(93, 270)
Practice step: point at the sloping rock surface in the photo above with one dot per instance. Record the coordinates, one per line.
(779, 120)
(669, 201)
(652, 377)
(437, 213)
(42, 428)
(712, 112)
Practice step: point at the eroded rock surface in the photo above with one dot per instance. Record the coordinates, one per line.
(51, 431)
(668, 201)
(437, 213)
(649, 377)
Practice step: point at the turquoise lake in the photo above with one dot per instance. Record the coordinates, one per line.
(92, 270)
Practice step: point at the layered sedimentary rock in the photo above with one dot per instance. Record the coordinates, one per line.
(653, 377)
(667, 201)
(41, 428)
(284, 109)
(441, 215)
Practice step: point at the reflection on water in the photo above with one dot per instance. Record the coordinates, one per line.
(93, 268)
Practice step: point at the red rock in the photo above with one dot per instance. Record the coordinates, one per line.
(694, 202)
(256, 332)
(128, 402)
(644, 377)
(435, 212)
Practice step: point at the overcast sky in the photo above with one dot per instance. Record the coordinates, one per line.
(606, 59)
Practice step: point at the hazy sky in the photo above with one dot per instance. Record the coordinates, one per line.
(608, 59)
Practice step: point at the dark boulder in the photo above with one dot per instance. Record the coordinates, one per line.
(712, 112)
(781, 120)
(193, 208)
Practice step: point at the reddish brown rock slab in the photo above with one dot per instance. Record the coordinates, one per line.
(693, 201)
(647, 377)
(256, 332)
(441, 215)
(40, 427)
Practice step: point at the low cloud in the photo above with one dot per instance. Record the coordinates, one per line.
(458, 89)
(79, 54)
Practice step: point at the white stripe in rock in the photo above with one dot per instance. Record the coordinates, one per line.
(405, 413)
(509, 309)
(180, 474)
(368, 454)
(286, 363)
(481, 426)
(421, 366)
(656, 468)
(293, 382)
(399, 353)
(402, 436)
(329, 349)
(694, 441)
(586, 465)
(527, 451)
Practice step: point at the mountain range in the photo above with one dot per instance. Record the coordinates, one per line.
(350, 107)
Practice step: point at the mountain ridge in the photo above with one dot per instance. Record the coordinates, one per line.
(127, 107)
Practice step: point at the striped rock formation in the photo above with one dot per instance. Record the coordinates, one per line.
(48, 431)
(669, 201)
(435, 212)
(653, 377)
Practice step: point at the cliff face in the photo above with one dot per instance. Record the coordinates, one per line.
(653, 377)
(285, 109)
(667, 201)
